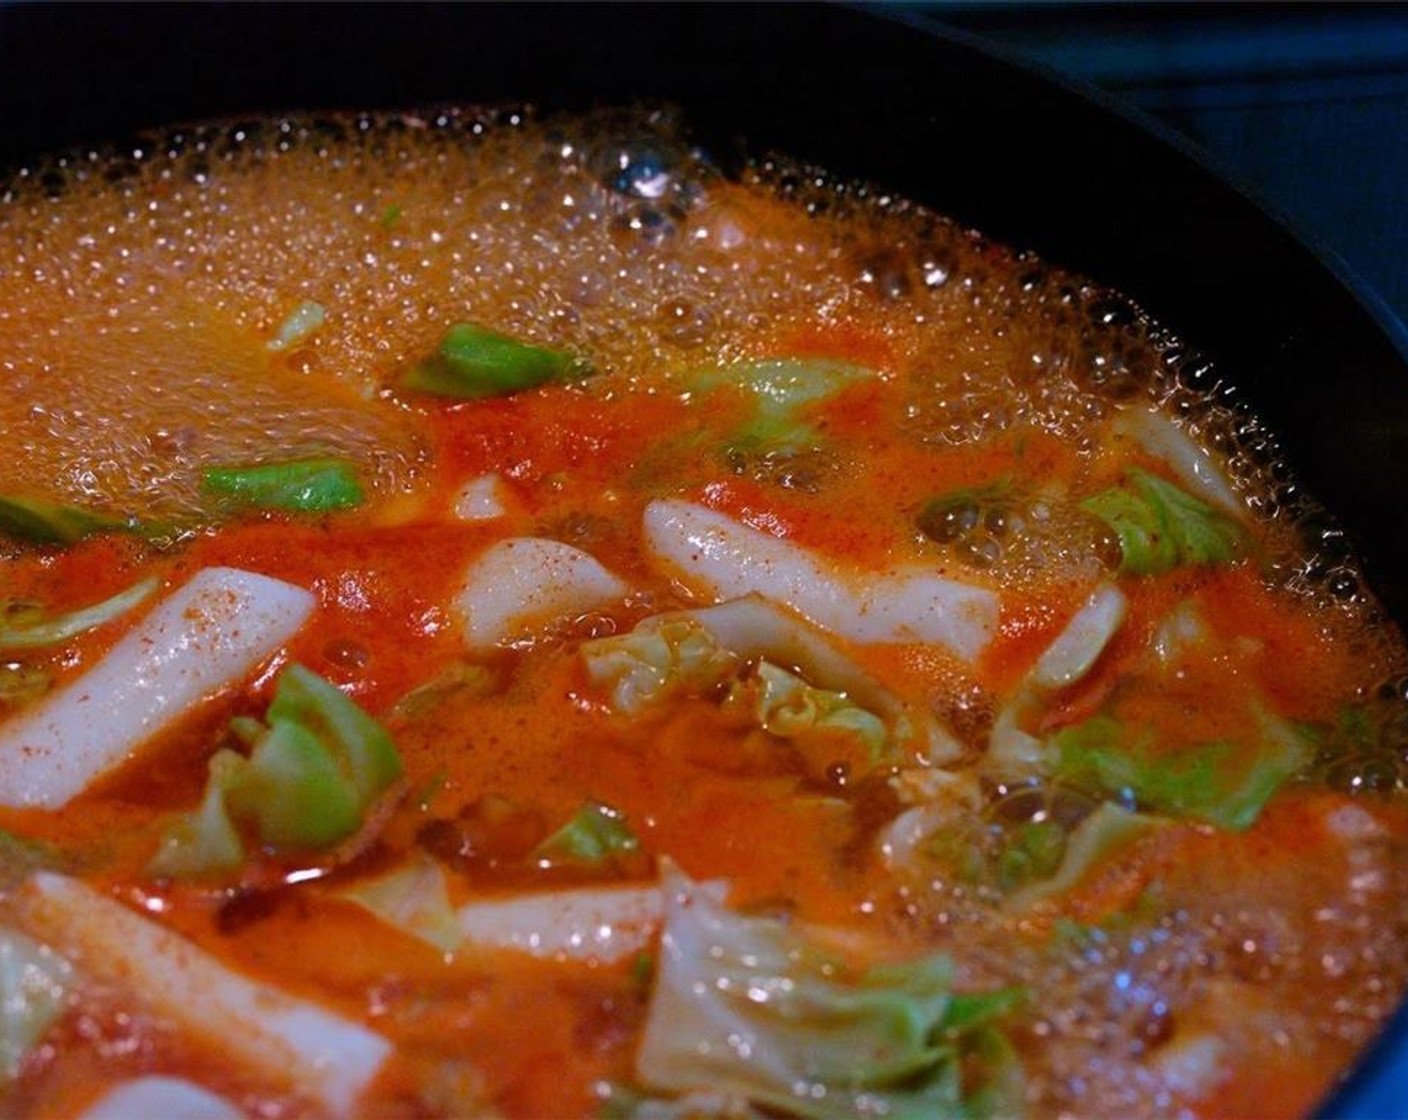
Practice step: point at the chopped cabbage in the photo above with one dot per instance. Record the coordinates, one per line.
(312, 774)
(1107, 830)
(1066, 660)
(38, 521)
(779, 387)
(743, 1006)
(29, 628)
(675, 656)
(472, 362)
(785, 705)
(1033, 852)
(203, 841)
(1160, 527)
(1192, 465)
(594, 834)
(1207, 780)
(298, 486)
(691, 653)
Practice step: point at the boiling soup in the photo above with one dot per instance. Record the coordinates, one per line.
(501, 617)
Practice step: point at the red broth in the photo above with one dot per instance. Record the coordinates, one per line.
(1047, 724)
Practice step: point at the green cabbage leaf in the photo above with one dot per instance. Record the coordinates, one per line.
(779, 391)
(786, 706)
(39, 521)
(296, 485)
(1218, 782)
(472, 362)
(26, 626)
(594, 835)
(314, 769)
(1107, 831)
(746, 1007)
(1160, 527)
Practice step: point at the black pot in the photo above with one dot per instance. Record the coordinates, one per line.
(868, 94)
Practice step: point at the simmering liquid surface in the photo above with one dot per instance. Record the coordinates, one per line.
(1045, 676)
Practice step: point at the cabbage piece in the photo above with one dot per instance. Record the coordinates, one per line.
(1214, 782)
(594, 834)
(1160, 437)
(1067, 659)
(1034, 850)
(298, 485)
(772, 435)
(203, 841)
(1027, 862)
(361, 746)
(39, 521)
(694, 652)
(785, 705)
(34, 984)
(311, 776)
(779, 390)
(472, 362)
(1160, 527)
(30, 629)
(663, 657)
(942, 801)
(780, 387)
(1106, 831)
(744, 1007)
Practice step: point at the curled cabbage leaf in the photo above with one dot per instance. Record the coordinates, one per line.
(698, 652)
(675, 656)
(744, 1006)
(785, 705)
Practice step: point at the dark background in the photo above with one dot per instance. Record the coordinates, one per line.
(1305, 104)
